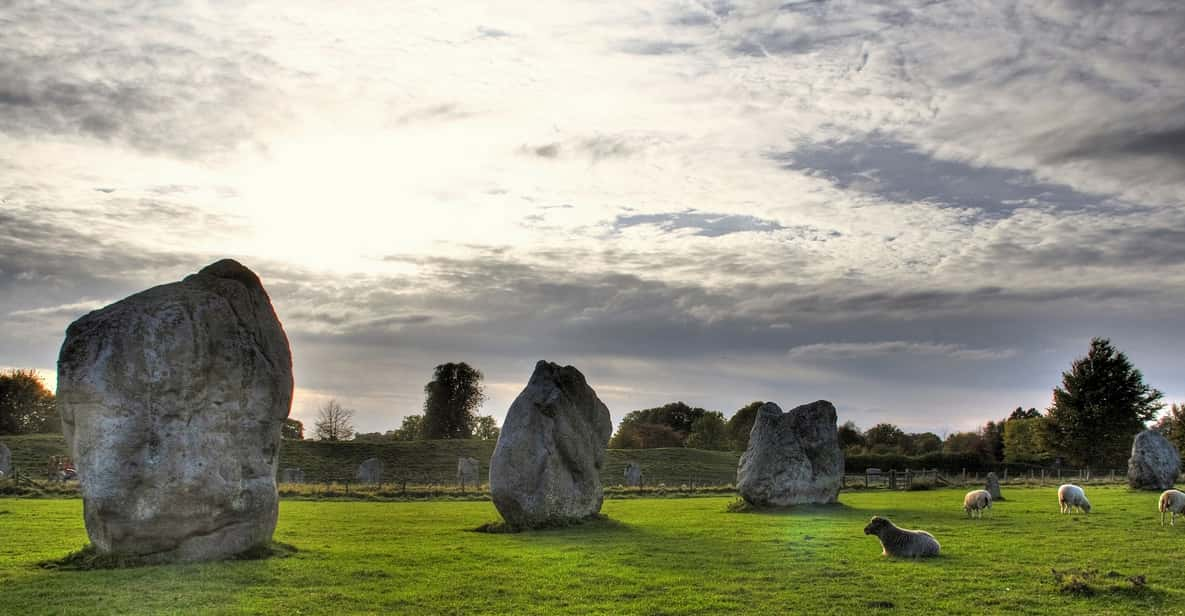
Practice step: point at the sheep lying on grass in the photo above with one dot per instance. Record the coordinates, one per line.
(1173, 502)
(976, 501)
(1070, 496)
(902, 542)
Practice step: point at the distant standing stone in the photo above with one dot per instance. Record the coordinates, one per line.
(172, 401)
(793, 458)
(468, 470)
(546, 465)
(1154, 463)
(633, 474)
(292, 475)
(370, 471)
(992, 485)
(5, 460)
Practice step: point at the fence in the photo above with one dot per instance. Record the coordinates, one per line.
(894, 479)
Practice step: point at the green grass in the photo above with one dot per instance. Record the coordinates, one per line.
(651, 556)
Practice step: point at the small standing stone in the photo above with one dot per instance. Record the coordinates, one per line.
(468, 470)
(992, 485)
(5, 460)
(633, 474)
(1154, 463)
(370, 471)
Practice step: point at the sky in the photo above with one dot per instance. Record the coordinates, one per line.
(921, 211)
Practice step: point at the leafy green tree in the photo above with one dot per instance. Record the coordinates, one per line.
(637, 426)
(1102, 403)
(26, 405)
(993, 440)
(1172, 426)
(412, 429)
(487, 428)
(292, 429)
(709, 432)
(923, 443)
(885, 438)
(964, 442)
(1025, 440)
(452, 398)
(646, 436)
(1021, 413)
(741, 424)
(850, 436)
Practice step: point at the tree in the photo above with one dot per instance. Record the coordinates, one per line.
(850, 435)
(293, 429)
(709, 432)
(923, 443)
(677, 416)
(487, 428)
(741, 424)
(1025, 440)
(885, 438)
(964, 442)
(412, 428)
(645, 436)
(334, 423)
(26, 405)
(452, 399)
(1021, 413)
(1172, 426)
(993, 440)
(1102, 403)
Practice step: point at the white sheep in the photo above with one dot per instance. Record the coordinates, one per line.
(976, 501)
(901, 542)
(1172, 502)
(1070, 496)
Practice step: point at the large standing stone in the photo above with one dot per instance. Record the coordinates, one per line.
(546, 465)
(992, 485)
(633, 474)
(468, 470)
(1154, 463)
(370, 471)
(5, 460)
(172, 402)
(793, 458)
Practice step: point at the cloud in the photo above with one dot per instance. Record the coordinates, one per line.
(830, 351)
(706, 224)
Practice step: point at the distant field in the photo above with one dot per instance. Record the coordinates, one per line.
(654, 556)
(431, 461)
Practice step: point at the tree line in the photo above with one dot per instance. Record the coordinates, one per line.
(1099, 407)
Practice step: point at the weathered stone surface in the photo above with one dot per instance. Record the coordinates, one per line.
(546, 465)
(468, 471)
(370, 471)
(5, 460)
(291, 475)
(992, 485)
(633, 474)
(793, 458)
(1154, 463)
(172, 402)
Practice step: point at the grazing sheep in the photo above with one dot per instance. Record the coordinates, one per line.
(901, 542)
(1173, 502)
(1070, 496)
(976, 501)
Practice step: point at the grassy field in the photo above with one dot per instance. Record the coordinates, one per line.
(653, 556)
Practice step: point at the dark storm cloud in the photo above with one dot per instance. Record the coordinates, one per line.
(901, 173)
(144, 79)
(707, 224)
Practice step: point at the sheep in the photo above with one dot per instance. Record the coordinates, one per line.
(901, 542)
(1173, 502)
(1070, 496)
(976, 501)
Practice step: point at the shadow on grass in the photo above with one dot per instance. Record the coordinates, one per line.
(90, 559)
(740, 505)
(596, 521)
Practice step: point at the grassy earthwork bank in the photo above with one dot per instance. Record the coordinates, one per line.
(652, 556)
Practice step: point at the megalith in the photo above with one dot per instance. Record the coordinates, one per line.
(1154, 463)
(793, 458)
